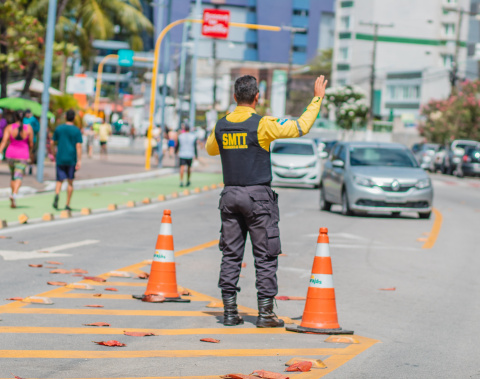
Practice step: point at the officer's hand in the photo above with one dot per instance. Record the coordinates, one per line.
(320, 85)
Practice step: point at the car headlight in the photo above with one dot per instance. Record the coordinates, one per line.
(313, 164)
(363, 181)
(424, 183)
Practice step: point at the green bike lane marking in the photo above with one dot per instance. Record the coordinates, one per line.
(36, 206)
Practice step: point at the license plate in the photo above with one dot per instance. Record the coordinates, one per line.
(391, 199)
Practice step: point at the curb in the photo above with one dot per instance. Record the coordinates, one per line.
(85, 212)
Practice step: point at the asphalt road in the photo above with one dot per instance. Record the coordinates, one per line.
(426, 328)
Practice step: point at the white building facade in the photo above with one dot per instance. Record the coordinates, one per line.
(415, 50)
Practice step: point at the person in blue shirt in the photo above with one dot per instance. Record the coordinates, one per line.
(30, 119)
(68, 140)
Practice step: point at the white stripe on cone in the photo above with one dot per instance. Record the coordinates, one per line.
(323, 250)
(166, 229)
(164, 256)
(321, 281)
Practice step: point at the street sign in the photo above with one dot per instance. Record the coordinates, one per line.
(215, 23)
(81, 85)
(125, 58)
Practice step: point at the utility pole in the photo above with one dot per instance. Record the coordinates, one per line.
(292, 31)
(47, 79)
(181, 82)
(375, 26)
(166, 65)
(215, 64)
(196, 34)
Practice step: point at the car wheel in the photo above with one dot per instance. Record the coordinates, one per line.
(346, 211)
(395, 214)
(425, 215)
(324, 204)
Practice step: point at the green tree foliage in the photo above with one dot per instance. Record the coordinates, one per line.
(457, 117)
(349, 104)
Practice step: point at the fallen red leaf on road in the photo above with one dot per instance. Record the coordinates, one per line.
(110, 343)
(138, 334)
(388, 289)
(50, 266)
(303, 366)
(60, 271)
(143, 275)
(244, 264)
(110, 289)
(32, 265)
(23, 242)
(79, 271)
(94, 278)
(17, 377)
(77, 275)
(57, 283)
(185, 293)
(53, 263)
(15, 298)
(97, 294)
(283, 255)
(94, 306)
(97, 324)
(43, 251)
(5, 238)
(289, 298)
(212, 340)
(239, 376)
(269, 374)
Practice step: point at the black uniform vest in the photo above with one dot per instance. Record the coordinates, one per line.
(244, 162)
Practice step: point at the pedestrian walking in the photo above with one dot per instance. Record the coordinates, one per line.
(172, 142)
(68, 140)
(31, 120)
(247, 203)
(104, 132)
(90, 136)
(187, 150)
(19, 138)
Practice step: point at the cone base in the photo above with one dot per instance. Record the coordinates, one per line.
(302, 329)
(176, 300)
(166, 299)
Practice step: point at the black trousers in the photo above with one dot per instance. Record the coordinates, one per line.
(253, 210)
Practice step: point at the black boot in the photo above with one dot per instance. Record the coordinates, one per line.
(231, 316)
(266, 317)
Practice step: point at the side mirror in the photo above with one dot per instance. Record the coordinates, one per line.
(338, 163)
(323, 154)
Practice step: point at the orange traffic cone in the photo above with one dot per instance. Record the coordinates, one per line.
(162, 282)
(320, 314)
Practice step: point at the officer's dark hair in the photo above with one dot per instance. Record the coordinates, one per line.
(70, 115)
(187, 127)
(246, 89)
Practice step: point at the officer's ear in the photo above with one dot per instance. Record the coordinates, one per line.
(235, 98)
(257, 96)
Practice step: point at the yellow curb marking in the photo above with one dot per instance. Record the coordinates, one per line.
(437, 224)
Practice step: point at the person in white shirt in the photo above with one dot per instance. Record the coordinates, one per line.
(187, 150)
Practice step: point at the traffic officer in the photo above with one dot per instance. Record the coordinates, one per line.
(247, 203)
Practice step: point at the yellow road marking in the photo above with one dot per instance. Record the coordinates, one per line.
(196, 248)
(112, 296)
(115, 312)
(160, 332)
(99, 354)
(154, 377)
(336, 360)
(437, 224)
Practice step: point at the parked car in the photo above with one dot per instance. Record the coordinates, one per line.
(373, 177)
(470, 165)
(424, 153)
(295, 161)
(454, 154)
(437, 160)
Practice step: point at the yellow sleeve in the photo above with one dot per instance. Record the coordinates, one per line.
(272, 128)
(212, 145)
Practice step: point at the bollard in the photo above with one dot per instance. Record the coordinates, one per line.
(23, 218)
(48, 217)
(86, 211)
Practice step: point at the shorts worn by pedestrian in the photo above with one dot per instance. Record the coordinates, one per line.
(248, 205)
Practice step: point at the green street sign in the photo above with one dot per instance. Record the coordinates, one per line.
(125, 58)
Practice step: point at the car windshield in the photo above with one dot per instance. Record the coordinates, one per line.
(464, 145)
(292, 148)
(380, 156)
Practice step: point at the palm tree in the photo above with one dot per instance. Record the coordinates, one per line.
(79, 22)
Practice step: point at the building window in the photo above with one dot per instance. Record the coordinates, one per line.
(403, 92)
(300, 12)
(448, 29)
(345, 23)
(447, 60)
(300, 49)
(343, 54)
(346, 4)
(252, 46)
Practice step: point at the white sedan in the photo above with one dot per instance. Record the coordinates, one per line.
(295, 162)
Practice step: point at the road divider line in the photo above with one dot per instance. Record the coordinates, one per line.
(437, 225)
(196, 248)
(159, 332)
(116, 312)
(216, 353)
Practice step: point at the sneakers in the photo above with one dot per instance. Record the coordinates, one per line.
(188, 184)
(181, 184)
(12, 201)
(55, 202)
(67, 208)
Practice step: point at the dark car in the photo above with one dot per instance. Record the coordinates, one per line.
(470, 165)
